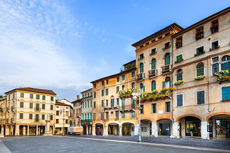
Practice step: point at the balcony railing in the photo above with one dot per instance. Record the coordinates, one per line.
(140, 76)
(152, 72)
(87, 121)
(128, 107)
(166, 68)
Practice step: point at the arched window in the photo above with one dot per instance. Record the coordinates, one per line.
(225, 63)
(200, 69)
(153, 63)
(153, 87)
(123, 87)
(166, 83)
(141, 68)
(142, 87)
(179, 75)
(167, 59)
(133, 85)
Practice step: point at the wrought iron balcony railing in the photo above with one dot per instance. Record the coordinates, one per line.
(140, 76)
(166, 68)
(153, 72)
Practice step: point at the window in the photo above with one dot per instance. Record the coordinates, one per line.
(180, 100)
(51, 117)
(66, 121)
(57, 113)
(102, 83)
(118, 79)
(91, 94)
(179, 42)
(94, 94)
(153, 51)
(21, 104)
(117, 89)
(22, 95)
(123, 103)
(199, 33)
(51, 98)
(141, 56)
(43, 97)
(153, 86)
(36, 117)
(200, 69)
(102, 92)
(107, 81)
(154, 109)
(37, 96)
(132, 103)
(225, 63)
(43, 117)
(107, 115)
(88, 104)
(21, 116)
(94, 116)
(141, 68)
(123, 77)
(144, 129)
(167, 107)
(167, 45)
(117, 101)
(43, 106)
(142, 87)
(37, 106)
(167, 59)
(133, 74)
(141, 46)
(123, 87)
(166, 83)
(179, 75)
(215, 45)
(214, 26)
(102, 115)
(94, 104)
(142, 110)
(31, 105)
(215, 64)
(83, 104)
(31, 96)
(57, 121)
(107, 102)
(107, 91)
(179, 58)
(200, 51)
(122, 115)
(51, 107)
(30, 116)
(102, 103)
(133, 115)
(153, 65)
(94, 85)
(91, 103)
(225, 93)
(133, 84)
(112, 102)
(200, 97)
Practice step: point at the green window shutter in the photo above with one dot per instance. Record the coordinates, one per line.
(133, 74)
(179, 100)
(117, 101)
(200, 97)
(141, 68)
(133, 85)
(117, 89)
(153, 63)
(123, 103)
(107, 91)
(226, 93)
(179, 76)
(197, 51)
(163, 85)
(102, 103)
(153, 85)
(167, 59)
(112, 102)
(107, 102)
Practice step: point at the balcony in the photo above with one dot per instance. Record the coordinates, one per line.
(152, 73)
(140, 76)
(200, 53)
(166, 47)
(37, 109)
(127, 107)
(152, 53)
(87, 121)
(166, 68)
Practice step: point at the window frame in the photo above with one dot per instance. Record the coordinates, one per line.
(197, 97)
(155, 108)
(213, 42)
(182, 99)
(196, 69)
(170, 107)
(198, 48)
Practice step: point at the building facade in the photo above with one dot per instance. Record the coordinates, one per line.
(201, 55)
(87, 98)
(77, 109)
(63, 110)
(2, 115)
(114, 114)
(27, 109)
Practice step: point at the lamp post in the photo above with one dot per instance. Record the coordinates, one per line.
(63, 111)
(135, 95)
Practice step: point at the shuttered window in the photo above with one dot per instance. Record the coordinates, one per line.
(107, 91)
(117, 101)
(21, 115)
(215, 68)
(123, 103)
(200, 69)
(142, 87)
(163, 85)
(94, 94)
(123, 77)
(179, 100)
(226, 93)
(167, 107)
(122, 115)
(153, 85)
(179, 57)
(51, 117)
(153, 63)
(51, 107)
(37, 118)
(21, 104)
(153, 108)
(43, 117)
(30, 116)
(43, 106)
(117, 89)
(141, 68)
(102, 103)
(107, 102)
(112, 102)
(179, 75)
(133, 85)
(167, 82)
(31, 96)
(200, 97)
(37, 107)
(31, 105)
(167, 59)
(133, 74)
(102, 92)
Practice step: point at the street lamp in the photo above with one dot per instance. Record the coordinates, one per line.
(63, 111)
(135, 95)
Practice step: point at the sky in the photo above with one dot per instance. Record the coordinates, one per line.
(64, 45)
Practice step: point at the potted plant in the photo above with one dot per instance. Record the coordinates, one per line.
(200, 77)
(178, 82)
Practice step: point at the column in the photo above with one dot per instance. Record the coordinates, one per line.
(93, 130)
(2, 131)
(36, 129)
(120, 130)
(105, 131)
(154, 129)
(183, 127)
(204, 129)
(28, 130)
(175, 130)
(115, 132)
(17, 130)
(214, 127)
(87, 129)
(39, 130)
(24, 130)
(136, 129)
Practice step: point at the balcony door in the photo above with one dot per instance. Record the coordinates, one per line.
(167, 59)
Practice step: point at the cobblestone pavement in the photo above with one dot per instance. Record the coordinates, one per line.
(110, 144)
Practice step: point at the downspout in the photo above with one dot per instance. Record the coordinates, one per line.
(208, 84)
(172, 86)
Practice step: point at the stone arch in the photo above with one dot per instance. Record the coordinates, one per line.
(147, 119)
(186, 115)
(164, 118)
(214, 114)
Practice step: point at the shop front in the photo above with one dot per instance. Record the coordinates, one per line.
(113, 129)
(127, 129)
(192, 125)
(164, 128)
(32, 130)
(99, 129)
(146, 128)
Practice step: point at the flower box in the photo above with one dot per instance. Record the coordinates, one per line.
(200, 77)
(178, 82)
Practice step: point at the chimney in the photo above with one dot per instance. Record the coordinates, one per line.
(77, 97)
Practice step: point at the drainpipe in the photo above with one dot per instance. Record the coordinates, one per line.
(172, 86)
(208, 84)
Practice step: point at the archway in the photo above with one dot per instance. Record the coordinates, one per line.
(113, 128)
(128, 129)
(99, 129)
(146, 128)
(164, 127)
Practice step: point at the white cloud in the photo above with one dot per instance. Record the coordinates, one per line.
(96, 31)
(104, 39)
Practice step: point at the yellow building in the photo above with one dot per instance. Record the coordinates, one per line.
(77, 109)
(2, 115)
(201, 99)
(27, 109)
(154, 78)
(113, 115)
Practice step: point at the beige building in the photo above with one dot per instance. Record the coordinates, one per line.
(201, 99)
(27, 109)
(77, 108)
(2, 115)
(63, 110)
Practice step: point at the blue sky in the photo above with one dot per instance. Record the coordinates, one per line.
(64, 45)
